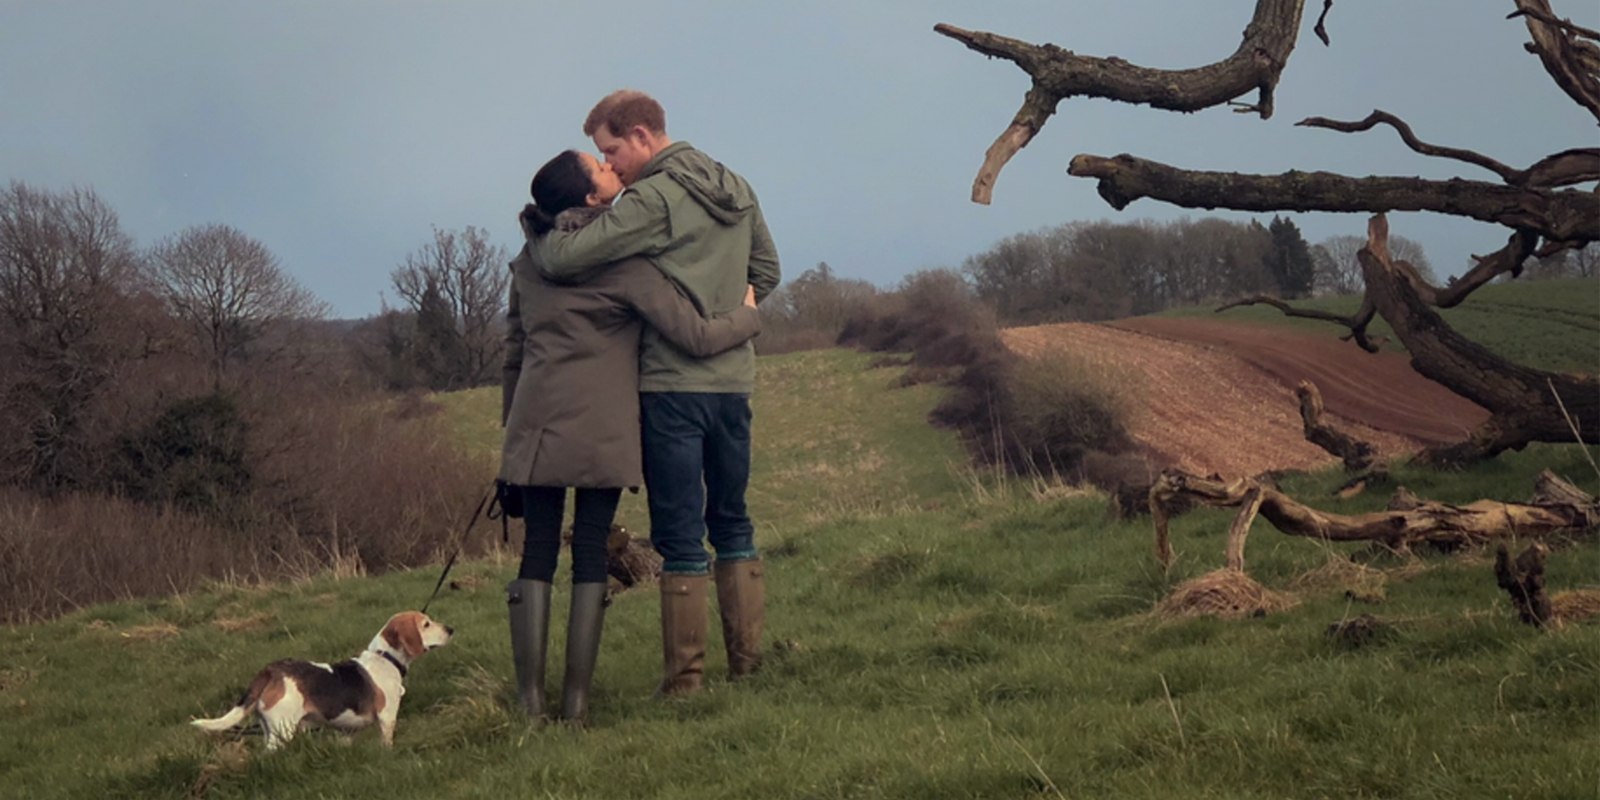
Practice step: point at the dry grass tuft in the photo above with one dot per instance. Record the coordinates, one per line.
(1578, 605)
(230, 758)
(254, 622)
(151, 633)
(1357, 581)
(1225, 593)
(12, 678)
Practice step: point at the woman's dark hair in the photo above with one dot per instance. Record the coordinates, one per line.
(559, 185)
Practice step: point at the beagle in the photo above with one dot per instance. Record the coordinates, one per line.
(292, 694)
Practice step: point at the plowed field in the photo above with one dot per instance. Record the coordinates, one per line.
(1219, 397)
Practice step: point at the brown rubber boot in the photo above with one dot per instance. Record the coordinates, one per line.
(742, 602)
(683, 633)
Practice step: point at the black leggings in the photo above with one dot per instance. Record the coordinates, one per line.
(542, 507)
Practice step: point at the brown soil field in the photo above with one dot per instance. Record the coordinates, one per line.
(1212, 396)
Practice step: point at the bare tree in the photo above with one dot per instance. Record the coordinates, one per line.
(1538, 204)
(456, 285)
(1339, 272)
(1584, 260)
(228, 289)
(70, 315)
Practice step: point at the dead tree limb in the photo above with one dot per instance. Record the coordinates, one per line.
(1357, 322)
(1378, 116)
(1524, 581)
(1059, 74)
(1549, 488)
(1556, 214)
(1249, 506)
(1414, 523)
(1525, 405)
(1359, 457)
(1566, 168)
(1572, 62)
(1539, 205)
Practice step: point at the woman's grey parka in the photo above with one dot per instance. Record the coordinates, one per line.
(570, 391)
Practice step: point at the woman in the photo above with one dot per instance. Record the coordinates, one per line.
(570, 404)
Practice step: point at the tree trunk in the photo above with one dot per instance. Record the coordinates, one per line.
(1525, 405)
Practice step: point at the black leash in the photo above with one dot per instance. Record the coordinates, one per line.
(492, 493)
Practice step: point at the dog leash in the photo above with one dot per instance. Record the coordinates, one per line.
(460, 543)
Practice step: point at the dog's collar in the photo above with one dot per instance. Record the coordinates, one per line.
(394, 661)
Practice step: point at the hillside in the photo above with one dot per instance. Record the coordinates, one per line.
(934, 631)
(1215, 392)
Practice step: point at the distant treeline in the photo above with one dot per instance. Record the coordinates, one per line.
(1089, 271)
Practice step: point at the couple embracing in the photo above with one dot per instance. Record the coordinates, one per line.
(628, 359)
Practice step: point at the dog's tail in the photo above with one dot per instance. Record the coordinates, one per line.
(240, 712)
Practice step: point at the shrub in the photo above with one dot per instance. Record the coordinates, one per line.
(192, 455)
(1033, 416)
(70, 550)
(334, 482)
(1063, 406)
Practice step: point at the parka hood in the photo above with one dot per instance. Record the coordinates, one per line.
(722, 193)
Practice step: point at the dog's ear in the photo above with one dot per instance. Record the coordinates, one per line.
(404, 633)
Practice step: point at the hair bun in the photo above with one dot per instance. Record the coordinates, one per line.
(535, 221)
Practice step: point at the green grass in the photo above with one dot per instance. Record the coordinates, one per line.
(933, 632)
(1551, 325)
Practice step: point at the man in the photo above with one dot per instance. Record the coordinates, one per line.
(701, 224)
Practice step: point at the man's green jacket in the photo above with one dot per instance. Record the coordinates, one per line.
(701, 225)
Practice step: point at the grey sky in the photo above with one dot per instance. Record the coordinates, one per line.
(338, 132)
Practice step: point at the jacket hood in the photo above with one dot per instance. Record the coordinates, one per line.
(567, 221)
(723, 194)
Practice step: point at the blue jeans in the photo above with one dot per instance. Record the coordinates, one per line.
(696, 469)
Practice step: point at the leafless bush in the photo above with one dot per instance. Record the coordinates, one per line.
(1038, 416)
(72, 550)
(333, 484)
(363, 477)
(808, 312)
(1062, 406)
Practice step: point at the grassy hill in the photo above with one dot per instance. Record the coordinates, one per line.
(1551, 325)
(933, 632)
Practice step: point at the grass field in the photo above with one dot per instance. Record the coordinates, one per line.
(934, 632)
(1551, 325)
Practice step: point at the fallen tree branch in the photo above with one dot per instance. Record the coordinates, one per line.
(1059, 74)
(1249, 506)
(1357, 455)
(1550, 489)
(1414, 522)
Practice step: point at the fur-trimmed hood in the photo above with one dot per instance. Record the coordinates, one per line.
(567, 221)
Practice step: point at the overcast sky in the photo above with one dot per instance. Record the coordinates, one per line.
(339, 133)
